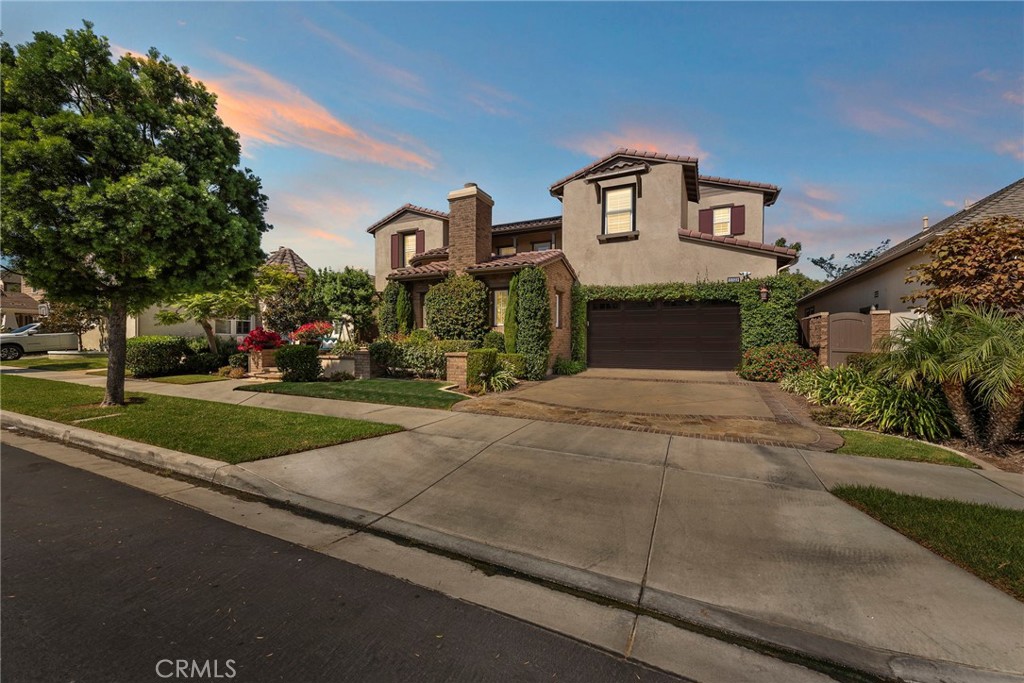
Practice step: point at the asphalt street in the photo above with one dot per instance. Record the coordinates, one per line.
(103, 582)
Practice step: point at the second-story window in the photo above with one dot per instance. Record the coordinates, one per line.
(506, 251)
(408, 247)
(618, 210)
(540, 246)
(723, 221)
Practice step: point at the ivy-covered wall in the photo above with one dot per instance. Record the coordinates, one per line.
(762, 322)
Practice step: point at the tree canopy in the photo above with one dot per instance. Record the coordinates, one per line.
(349, 292)
(834, 269)
(121, 186)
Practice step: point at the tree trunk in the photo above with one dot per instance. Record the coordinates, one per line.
(956, 397)
(117, 332)
(211, 338)
(258, 312)
(1003, 420)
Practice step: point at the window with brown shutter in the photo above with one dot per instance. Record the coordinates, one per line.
(396, 251)
(739, 225)
(420, 239)
(706, 221)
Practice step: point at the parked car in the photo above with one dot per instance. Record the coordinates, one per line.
(28, 339)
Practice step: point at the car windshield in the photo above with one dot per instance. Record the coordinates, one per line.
(23, 328)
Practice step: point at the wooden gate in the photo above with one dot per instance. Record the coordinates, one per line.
(848, 333)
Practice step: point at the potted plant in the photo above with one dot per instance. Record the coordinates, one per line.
(312, 334)
(262, 346)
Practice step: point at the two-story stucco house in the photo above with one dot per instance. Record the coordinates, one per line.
(629, 218)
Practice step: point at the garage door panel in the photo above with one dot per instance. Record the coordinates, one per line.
(669, 335)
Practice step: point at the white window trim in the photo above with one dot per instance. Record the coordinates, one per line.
(605, 213)
(406, 254)
(727, 222)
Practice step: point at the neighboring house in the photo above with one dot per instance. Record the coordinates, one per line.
(145, 323)
(629, 218)
(876, 289)
(19, 302)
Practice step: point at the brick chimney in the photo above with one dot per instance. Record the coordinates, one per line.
(469, 227)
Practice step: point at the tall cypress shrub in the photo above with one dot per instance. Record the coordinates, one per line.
(511, 328)
(387, 315)
(533, 321)
(403, 311)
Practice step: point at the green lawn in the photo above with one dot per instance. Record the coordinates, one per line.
(983, 539)
(396, 392)
(221, 431)
(187, 379)
(875, 445)
(48, 363)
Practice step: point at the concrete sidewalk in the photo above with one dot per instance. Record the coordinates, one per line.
(741, 539)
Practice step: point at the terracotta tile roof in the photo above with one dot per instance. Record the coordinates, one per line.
(438, 253)
(435, 269)
(1007, 201)
(534, 224)
(292, 262)
(527, 258)
(635, 154)
(771, 192)
(402, 209)
(734, 242)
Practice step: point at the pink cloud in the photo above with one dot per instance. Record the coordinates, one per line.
(329, 236)
(933, 116)
(1013, 148)
(819, 193)
(950, 203)
(816, 212)
(265, 110)
(635, 136)
(1014, 97)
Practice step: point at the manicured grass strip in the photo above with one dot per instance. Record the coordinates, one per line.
(187, 379)
(395, 392)
(985, 540)
(221, 431)
(883, 446)
(47, 363)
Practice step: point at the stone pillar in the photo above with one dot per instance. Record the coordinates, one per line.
(365, 368)
(456, 368)
(880, 321)
(817, 336)
(261, 360)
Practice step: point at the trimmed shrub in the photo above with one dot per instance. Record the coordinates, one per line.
(514, 363)
(403, 311)
(456, 308)
(239, 360)
(511, 329)
(564, 366)
(533, 320)
(387, 314)
(345, 348)
(480, 363)
(202, 363)
(771, 363)
(155, 355)
(456, 345)
(494, 340)
(420, 358)
(298, 363)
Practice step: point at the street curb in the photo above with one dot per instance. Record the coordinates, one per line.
(753, 632)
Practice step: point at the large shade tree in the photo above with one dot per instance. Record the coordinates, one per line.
(120, 184)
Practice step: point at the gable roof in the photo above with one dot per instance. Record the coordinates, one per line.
(771, 192)
(291, 261)
(634, 155)
(1007, 201)
(534, 224)
(18, 302)
(784, 254)
(406, 208)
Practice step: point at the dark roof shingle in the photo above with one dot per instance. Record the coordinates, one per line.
(734, 242)
(292, 262)
(771, 192)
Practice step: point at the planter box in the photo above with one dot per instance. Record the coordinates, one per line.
(334, 365)
(261, 360)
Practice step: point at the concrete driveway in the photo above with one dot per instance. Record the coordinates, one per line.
(682, 402)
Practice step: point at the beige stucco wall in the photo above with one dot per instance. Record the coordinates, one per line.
(711, 197)
(888, 280)
(433, 237)
(657, 255)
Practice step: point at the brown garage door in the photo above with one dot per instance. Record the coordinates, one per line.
(663, 335)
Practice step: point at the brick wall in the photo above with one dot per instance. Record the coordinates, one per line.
(817, 336)
(456, 368)
(880, 321)
(365, 368)
(469, 227)
(560, 282)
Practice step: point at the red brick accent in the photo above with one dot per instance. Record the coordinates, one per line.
(879, 328)
(469, 229)
(560, 281)
(456, 368)
(365, 367)
(817, 336)
(260, 360)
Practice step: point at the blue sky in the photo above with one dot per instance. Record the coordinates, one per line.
(868, 115)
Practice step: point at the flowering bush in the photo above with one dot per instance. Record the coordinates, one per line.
(260, 339)
(312, 332)
(771, 363)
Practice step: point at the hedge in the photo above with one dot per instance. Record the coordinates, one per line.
(456, 308)
(423, 358)
(298, 363)
(155, 355)
(761, 322)
(533, 321)
(514, 363)
(387, 314)
(511, 329)
(480, 362)
(773, 362)
(494, 340)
